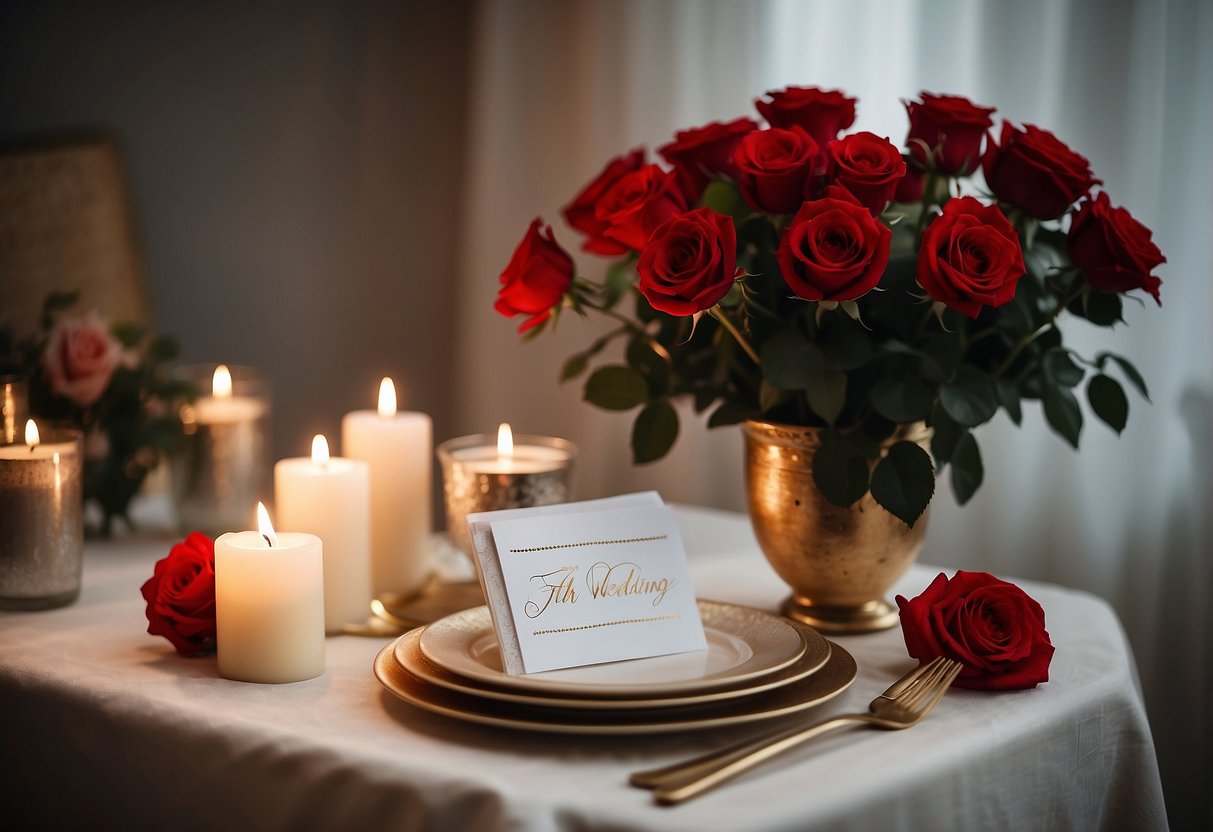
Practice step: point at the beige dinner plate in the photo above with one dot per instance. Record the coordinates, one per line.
(743, 643)
(407, 650)
(837, 674)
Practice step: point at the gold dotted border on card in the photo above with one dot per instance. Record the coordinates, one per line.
(669, 617)
(588, 543)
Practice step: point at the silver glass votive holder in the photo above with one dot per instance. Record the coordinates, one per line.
(221, 468)
(14, 408)
(477, 477)
(41, 520)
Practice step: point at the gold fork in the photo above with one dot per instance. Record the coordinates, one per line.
(906, 702)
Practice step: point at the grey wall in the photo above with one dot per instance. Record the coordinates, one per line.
(296, 169)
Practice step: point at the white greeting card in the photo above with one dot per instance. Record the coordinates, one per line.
(585, 583)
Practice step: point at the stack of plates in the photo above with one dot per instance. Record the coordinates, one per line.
(757, 666)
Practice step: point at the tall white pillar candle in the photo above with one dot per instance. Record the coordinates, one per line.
(269, 605)
(398, 447)
(330, 497)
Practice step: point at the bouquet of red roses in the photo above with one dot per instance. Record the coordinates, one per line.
(792, 274)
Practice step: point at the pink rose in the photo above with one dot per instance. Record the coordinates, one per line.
(80, 359)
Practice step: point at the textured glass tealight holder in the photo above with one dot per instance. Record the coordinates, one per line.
(475, 477)
(14, 408)
(41, 521)
(222, 468)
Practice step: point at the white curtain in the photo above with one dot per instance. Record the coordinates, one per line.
(558, 88)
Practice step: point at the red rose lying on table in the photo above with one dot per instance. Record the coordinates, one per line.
(180, 596)
(990, 625)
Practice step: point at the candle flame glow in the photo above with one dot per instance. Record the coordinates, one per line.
(221, 382)
(387, 399)
(320, 449)
(265, 526)
(31, 434)
(505, 441)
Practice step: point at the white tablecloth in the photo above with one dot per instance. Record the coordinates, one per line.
(104, 725)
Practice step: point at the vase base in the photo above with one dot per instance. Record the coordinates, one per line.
(869, 617)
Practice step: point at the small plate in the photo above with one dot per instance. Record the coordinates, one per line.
(408, 653)
(835, 677)
(743, 643)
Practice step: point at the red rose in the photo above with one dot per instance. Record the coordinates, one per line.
(637, 203)
(911, 186)
(536, 279)
(773, 167)
(702, 152)
(822, 113)
(180, 596)
(868, 166)
(989, 625)
(689, 263)
(970, 257)
(580, 213)
(1112, 249)
(834, 249)
(80, 358)
(946, 132)
(1034, 170)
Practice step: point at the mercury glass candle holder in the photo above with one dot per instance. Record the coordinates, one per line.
(222, 466)
(475, 477)
(41, 521)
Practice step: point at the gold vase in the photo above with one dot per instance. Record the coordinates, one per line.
(839, 562)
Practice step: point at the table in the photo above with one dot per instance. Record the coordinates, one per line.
(105, 725)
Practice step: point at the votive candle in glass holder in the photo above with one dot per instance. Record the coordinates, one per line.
(14, 408)
(480, 474)
(221, 467)
(41, 519)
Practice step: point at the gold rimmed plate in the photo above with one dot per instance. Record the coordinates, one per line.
(832, 679)
(743, 644)
(407, 650)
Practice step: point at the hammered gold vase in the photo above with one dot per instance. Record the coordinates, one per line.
(839, 562)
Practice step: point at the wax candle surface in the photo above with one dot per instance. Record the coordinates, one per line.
(398, 447)
(330, 498)
(269, 607)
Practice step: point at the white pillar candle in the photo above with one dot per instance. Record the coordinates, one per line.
(398, 448)
(330, 497)
(269, 605)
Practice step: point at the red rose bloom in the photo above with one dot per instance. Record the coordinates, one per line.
(1112, 249)
(536, 278)
(180, 596)
(637, 203)
(946, 132)
(989, 625)
(970, 257)
(822, 113)
(868, 166)
(580, 213)
(689, 263)
(702, 152)
(773, 167)
(833, 249)
(1034, 170)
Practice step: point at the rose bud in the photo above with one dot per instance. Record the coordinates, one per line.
(703, 152)
(637, 203)
(970, 257)
(868, 166)
(580, 213)
(833, 249)
(1113, 250)
(773, 167)
(537, 277)
(1036, 172)
(689, 263)
(946, 132)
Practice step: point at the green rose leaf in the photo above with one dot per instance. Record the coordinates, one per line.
(1061, 369)
(652, 361)
(729, 413)
(790, 361)
(1109, 402)
(827, 393)
(1128, 369)
(574, 367)
(1102, 308)
(967, 470)
(654, 432)
(1062, 412)
(839, 470)
(945, 436)
(616, 388)
(970, 398)
(904, 481)
(902, 399)
(1008, 397)
(845, 345)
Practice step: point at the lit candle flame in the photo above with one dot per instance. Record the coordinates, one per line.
(387, 399)
(505, 441)
(320, 450)
(221, 382)
(31, 434)
(265, 526)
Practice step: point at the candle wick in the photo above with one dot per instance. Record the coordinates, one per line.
(267, 540)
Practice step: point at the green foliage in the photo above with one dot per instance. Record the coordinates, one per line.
(904, 481)
(616, 387)
(654, 432)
